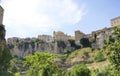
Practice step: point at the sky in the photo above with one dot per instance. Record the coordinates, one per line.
(30, 18)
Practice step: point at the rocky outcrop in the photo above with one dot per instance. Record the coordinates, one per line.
(98, 38)
(24, 46)
(101, 36)
(4, 52)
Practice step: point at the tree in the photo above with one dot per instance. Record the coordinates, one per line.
(42, 64)
(78, 70)
(5, 55)
(2, 31)
(99, 57)
(113, 49)
(85, 42)
(72, 43)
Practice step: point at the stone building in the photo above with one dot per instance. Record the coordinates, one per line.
(97, 38)
(71, 37)
(1, 14)
(60, 36)
(101, 36)
(46, 38)
(78, 36)
(115, 21)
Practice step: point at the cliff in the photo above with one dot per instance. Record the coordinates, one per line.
(23, 46)
(96, 39)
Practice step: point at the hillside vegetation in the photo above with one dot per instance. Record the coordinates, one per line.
(81, 62)
(91, 58)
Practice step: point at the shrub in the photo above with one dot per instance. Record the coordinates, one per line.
(85, 42)
(17, 74)
(86, 54)
(41, 64)
(106, 71)
(78, 70)
(99, 57)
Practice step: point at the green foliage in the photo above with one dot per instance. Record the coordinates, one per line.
(115, 72)
(17, 74)
(72, 43)
(86, 54)
(85, 42)
(5, 57)
(5, 73)
(78, 70)
(113, 49)
(106, 71)
(37, 40)
(101, 73)
(99, 57)
(15, 65)
(63, 57)
(2, 29)
(61, 44)
(42, 64)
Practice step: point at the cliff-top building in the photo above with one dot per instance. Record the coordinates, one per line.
(46, 38)
(60, 36)
(78, 36)
(1, 14)
(115, 21)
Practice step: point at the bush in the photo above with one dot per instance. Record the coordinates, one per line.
(89, 61)
(102, 72)
(99, 57)
(78, 70)
(41, 64)
(86, 54)
(85, 42)
(17, 74)
(5, 73)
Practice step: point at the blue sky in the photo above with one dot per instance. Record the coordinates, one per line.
(30, 18)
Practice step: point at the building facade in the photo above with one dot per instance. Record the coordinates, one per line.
(115, 21)
(1, 14)
(46, 38)
(78, 36)
(60, 36)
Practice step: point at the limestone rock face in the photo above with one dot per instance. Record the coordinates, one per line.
(101, 37)
(98, 38)
(24, 46)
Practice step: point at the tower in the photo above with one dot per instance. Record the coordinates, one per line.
(78, 36)
(1, 14)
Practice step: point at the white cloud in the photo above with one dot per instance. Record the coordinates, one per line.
(28, 17)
